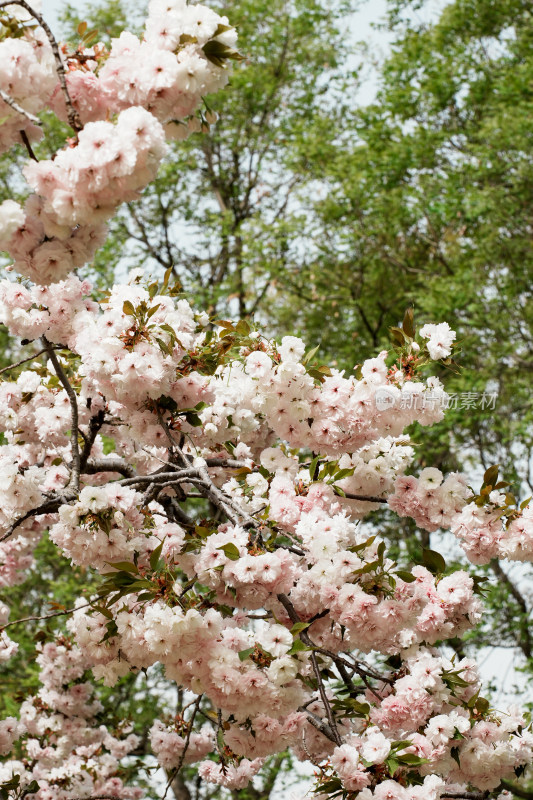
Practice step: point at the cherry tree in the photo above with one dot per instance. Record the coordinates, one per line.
(230, 519)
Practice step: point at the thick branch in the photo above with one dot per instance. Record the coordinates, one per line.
(319, 724)
(179, 787)
(95, 465)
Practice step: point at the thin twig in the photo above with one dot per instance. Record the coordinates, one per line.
(15, 106)
(27, 145)
(46, 616)
(48, 507)
(161, 477)
(325, 701)
(95, 424)
(29, 358)
(517, 790)
(185, 746)
(284, 600)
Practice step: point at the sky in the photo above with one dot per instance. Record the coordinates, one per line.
(372, 11)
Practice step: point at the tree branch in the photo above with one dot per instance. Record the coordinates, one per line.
(176, 770)
(48, 507)
(45, 616)
(15, 106)
(29, 358)
(76, 458)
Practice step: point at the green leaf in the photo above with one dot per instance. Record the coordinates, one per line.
(168, 329)
(397, 336)
(221, 29)
(230, 551)
(218, 53)
(361, 709)
(392, 765)
(412, 759)
(405, 575)
(356, 548)
(308, 356)
(298, 647)
(244, 654)
(408, 324)
(155, 556)
(90, 38)
(168, 272)
(128, 308)
(313, 468)
(491, 475)
(482, 705)
(243, 327)
(124, 566)
(433, 561)
(299, 626)
(344, 473)
(104, 611)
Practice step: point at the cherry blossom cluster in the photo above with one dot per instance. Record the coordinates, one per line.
(489, 530)
(27, 78)
(152, 87)
(62, 749)
(291, 549)
(181, 57)
(218, 485)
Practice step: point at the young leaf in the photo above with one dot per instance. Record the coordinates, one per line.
(230, 551)
(433, 561)
(155, 556)
(299, 626)
(408, 323)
